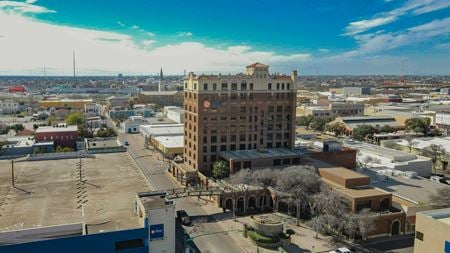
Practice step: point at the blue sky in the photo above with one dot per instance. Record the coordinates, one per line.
(140, 36)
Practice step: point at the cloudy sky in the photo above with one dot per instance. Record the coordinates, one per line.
(140, 36)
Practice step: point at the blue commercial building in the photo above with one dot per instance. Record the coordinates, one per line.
(123, 241)
(125, 114)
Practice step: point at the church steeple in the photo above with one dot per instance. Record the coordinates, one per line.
(161, 76)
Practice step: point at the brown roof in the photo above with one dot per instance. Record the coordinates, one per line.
(342, 172)
(357, 192)
(257, 65)
(25, 132)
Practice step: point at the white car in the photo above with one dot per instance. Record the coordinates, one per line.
(341, 250)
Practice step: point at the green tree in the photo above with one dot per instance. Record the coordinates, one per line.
(108, 132)
(363, 132)
(337, 128)
(318, 124)
(420, 125)
(304, 120)
(17, 128)
(387, 129)
(75, 118)
(220, 169)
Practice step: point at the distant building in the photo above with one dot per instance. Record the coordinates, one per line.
(445, 91)
(163, 98)
(358, 91)
(166, 138)
(442, 120)
(375, 121)
(174, 113)
(92, 110)
(131, 125)
(386, 158)
(8, 106)
(433, 231)
(26, 145)
(62, 135)
(74, 104)
(16, 89)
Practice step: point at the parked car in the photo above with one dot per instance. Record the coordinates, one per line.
(342, 250)
(183, 217)
(126, 143)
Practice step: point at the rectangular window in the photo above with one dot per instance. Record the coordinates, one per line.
(224, 86)
(129, 244)
(205, 86)
(234, 86)
(419, 235)
(223, 147)
(278, 86)
(269, 86)
(214, 86)
(251, 86)
(243, 86)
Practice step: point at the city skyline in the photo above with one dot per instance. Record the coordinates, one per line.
(324, 38)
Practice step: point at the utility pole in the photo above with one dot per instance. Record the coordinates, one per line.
(12, 174)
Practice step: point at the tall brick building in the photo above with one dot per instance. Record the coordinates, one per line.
(246, 119)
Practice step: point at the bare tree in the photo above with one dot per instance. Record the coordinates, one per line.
(241, 180)
(436, 153)
(410, 142)
(264, 178)
(302, 183)
(366, 222)
(441, 199)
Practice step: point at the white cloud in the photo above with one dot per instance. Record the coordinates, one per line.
(29, 44)
(14, 7)
(324, 50)
(120, 24)
(364, 25)
(30, 1)
(379, 42)
(150, 34)
(134, 27)
(185, 34)
(414, 7)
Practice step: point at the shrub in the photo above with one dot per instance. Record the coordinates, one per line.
(261, 238)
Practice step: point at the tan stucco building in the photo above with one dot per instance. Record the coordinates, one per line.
(432, 231)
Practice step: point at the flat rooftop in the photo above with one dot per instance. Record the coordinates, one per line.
(49, 193)
(342, 172)
(443, 215)
(357, 192)
(171, 141)
(417, 189)
(393, 154)
(163, 129)
(51, 129)
(256, 154)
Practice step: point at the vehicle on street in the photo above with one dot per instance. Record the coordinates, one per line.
(342, 250)
(126, 143)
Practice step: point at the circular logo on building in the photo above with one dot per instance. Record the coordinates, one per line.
(206, 104)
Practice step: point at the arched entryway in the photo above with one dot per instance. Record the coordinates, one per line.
(252, 202)
(395, 227)
(240, 204)
(229, 204)
(283, 207)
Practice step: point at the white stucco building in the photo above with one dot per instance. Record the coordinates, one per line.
(386, 158)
